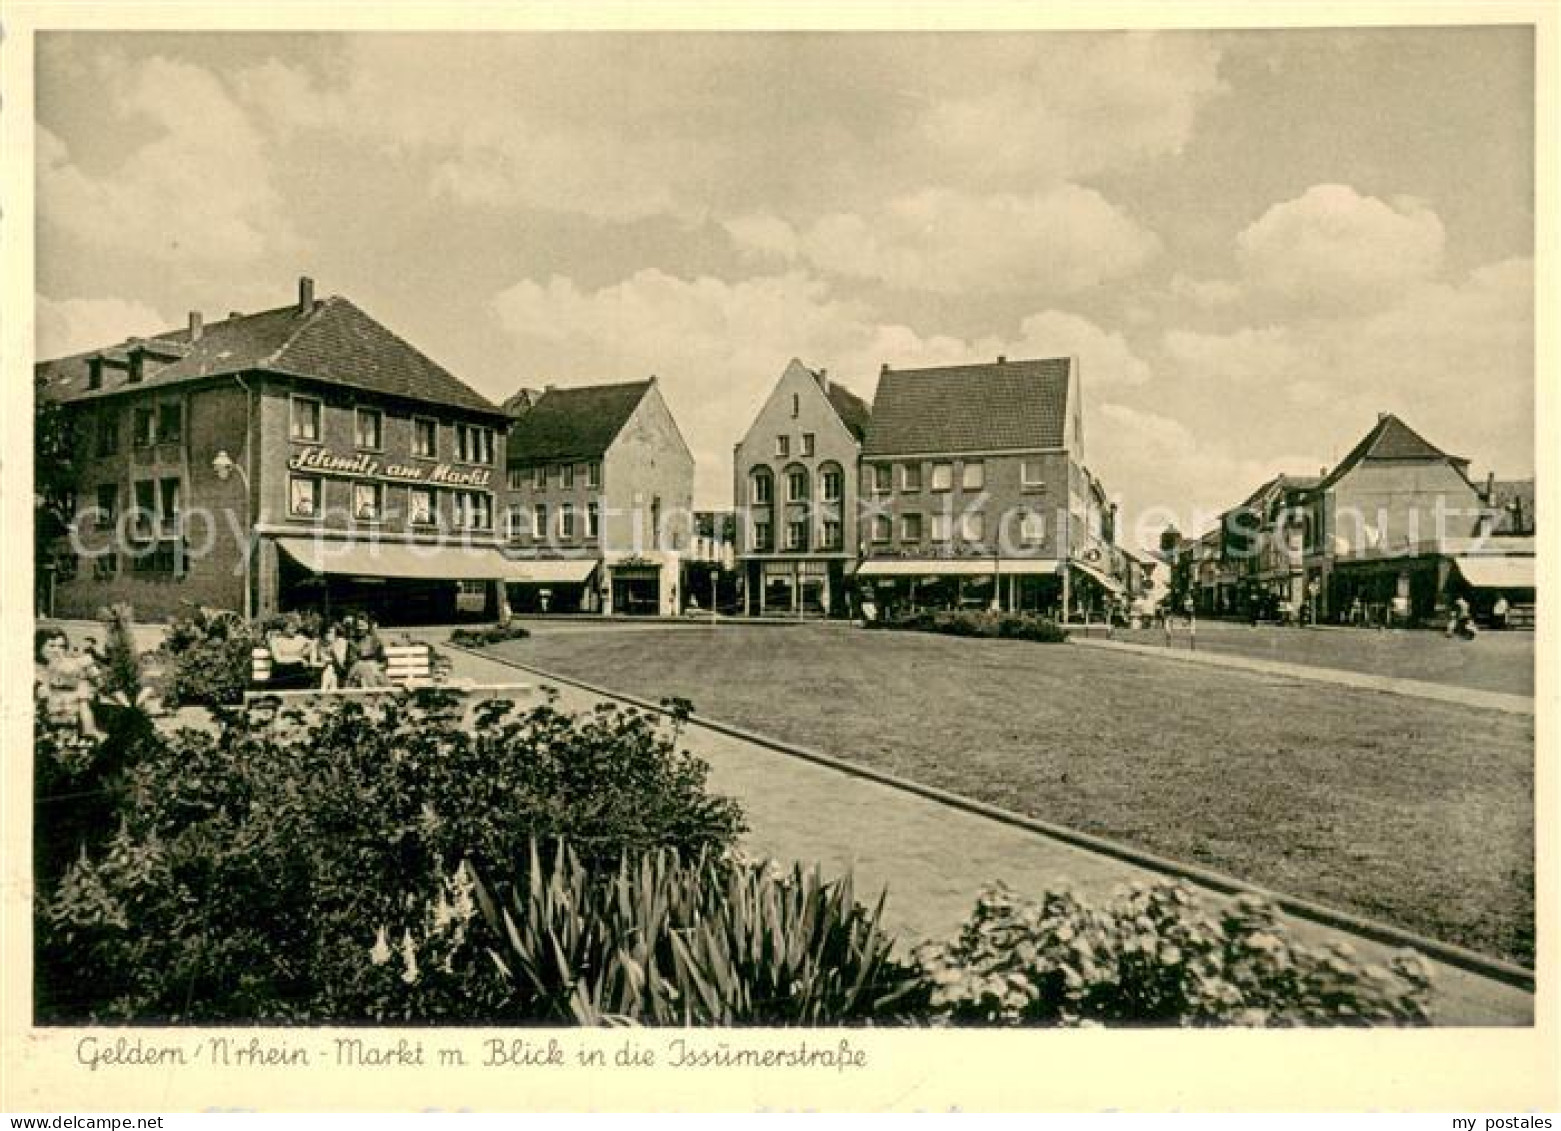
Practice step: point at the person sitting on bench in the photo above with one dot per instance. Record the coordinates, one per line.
(294, 654)
(367, 665)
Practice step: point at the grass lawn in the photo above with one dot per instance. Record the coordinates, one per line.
(1494, 661)
(1414, 812)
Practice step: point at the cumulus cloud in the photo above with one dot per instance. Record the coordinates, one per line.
(1333, 248)
(1209, 294)
(1435, 357)
(200, 192)
(718, 346)
(1057, 242)
(72, 325)
(1073, 105)
(730, 124)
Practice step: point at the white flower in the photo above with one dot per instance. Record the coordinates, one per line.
(409, 957)
(380, 954)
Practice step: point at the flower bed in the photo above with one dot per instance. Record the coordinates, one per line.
(988, 625)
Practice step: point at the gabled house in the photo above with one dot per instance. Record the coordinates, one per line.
(795, 489)
(305, 457)
(599, 497)
(975, 492)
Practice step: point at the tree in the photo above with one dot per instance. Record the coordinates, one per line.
(55, 456)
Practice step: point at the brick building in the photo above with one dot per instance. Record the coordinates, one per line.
(598, 501)
(302, 457)
(795, 489)
(975, 492)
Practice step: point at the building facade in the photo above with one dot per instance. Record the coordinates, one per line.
(1393, 535)
(598, 497)
(299, 458)
(795, 491)
(975, 492)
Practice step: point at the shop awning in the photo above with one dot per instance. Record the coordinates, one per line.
(963, 567)
(1094, 574)
(1497, 572)
(419, 561)
(552, 571)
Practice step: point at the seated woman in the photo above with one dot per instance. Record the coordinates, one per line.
(62, 684)
(294, 654)
(368, 665)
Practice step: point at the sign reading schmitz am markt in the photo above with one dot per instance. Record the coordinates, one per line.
(323, 461)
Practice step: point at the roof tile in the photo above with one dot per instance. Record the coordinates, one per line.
(1008, 405)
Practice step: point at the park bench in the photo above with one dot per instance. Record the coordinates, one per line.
(407, 667)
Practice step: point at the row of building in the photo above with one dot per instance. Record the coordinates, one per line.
(1394, 534)
(308, 457)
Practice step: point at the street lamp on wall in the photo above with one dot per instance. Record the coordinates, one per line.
(225, 466)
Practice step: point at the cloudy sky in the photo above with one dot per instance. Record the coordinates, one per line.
(1254, 241)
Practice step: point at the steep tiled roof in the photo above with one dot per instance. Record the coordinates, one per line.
(578, 423)
(330, 341)
(852, 409)
(1390, 439)
(970, 408)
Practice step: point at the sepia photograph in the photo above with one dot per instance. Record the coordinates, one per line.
(773, 539)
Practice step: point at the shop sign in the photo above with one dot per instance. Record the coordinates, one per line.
(323, 461)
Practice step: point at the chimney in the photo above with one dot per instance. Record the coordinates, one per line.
(305, 294)
(1002, 359)
(548, 388)
(232, 314)
(823, 379)
(197, 324)
(882, 369)
(1490, 487)
(1381, 416)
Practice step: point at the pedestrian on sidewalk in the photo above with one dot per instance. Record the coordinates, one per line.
(1499, 613)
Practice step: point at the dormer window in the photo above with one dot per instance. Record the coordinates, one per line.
(136, 372)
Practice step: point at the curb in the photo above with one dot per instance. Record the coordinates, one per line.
(1472, 698)
(1461, 958)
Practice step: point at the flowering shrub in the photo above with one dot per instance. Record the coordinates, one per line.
(207, 655)
(965, 622)
(1153, 957)
(245, 873)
